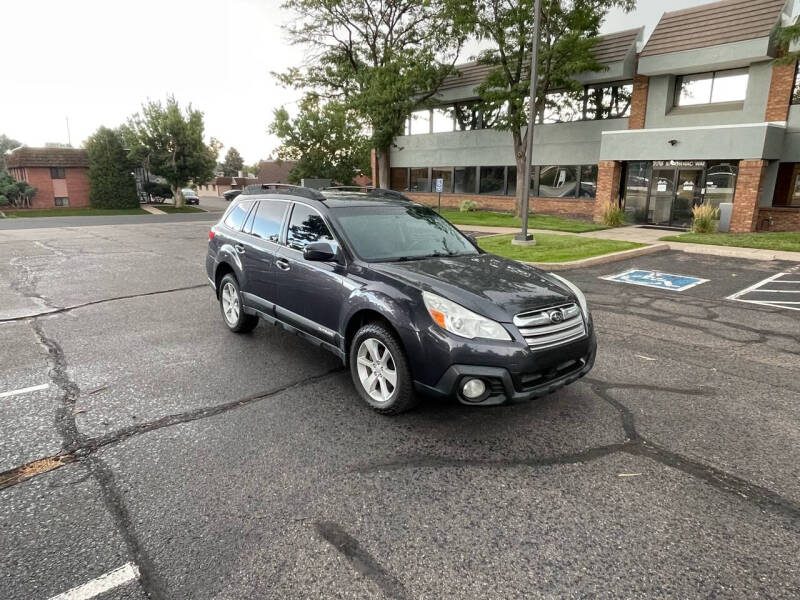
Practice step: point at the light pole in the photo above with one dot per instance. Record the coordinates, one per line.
(523, 238)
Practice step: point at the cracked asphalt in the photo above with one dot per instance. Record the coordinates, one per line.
(228, 466)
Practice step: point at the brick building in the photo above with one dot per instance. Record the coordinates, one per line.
(60, 175)
(699, 113)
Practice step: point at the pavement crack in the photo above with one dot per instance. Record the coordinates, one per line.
(66, 309)
(361, 560)
(59, 375)
(148, 578)
(83, 447)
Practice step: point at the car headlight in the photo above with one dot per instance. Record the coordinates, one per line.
(460, 321)
(578, 293)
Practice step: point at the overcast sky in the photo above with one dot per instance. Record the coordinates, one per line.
(96, 61)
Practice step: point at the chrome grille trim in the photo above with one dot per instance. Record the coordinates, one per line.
(540, 331)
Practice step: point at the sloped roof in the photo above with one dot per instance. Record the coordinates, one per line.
(714, 24)
(609, 48)
(26, 156)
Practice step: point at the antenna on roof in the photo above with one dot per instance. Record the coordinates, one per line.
(69, 137)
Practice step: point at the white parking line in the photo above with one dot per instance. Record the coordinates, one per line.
(755, 286)
(759, 288)
(104, 583)
(34, 388)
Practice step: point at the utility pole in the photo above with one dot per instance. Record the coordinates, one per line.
(69, 137)
(523, 238)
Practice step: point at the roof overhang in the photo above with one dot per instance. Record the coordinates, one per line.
(723, 56)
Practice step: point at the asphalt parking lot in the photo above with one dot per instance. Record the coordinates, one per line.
(138, 437)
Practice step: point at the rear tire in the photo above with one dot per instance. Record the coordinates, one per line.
(230, 303)
(380, 371)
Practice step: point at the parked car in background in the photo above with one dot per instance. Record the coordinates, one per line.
(231, 194)
(190, 196)
(400, 295)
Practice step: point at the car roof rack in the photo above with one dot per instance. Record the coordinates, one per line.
(370, 192)
(283, 188)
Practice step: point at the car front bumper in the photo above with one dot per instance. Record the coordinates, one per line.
(530, 379)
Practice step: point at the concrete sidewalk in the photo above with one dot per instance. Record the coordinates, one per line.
(645, 235)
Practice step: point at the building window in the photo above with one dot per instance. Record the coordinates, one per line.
(62, 201)
(588, 182)
(464, 180)
(398, 179)
(511, 185)
(637, 186)
(446, 175)
(442, 120)
(57, 173)
(609, 101)
(492, 180)
(419, 122)
(467, 116)
(711, 88)
(796, 88)
(557, 181)
(419, 181)
(720, 182)
(787, 187)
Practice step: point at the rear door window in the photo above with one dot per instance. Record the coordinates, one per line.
(305, 227)
(238, 215)
(267, 219)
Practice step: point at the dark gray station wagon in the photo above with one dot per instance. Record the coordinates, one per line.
(410, 304)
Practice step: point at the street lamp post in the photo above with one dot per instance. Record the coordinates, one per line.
(523, 238)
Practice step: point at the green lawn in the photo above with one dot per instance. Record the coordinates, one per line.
(70, 212)
(493, 219)
(168, 208)
(766, 241)
(552, 248)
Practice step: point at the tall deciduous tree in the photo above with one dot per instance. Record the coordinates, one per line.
(788, 39)
(569, 31)
(380, 59)
(111, 183)
(6, 144)
(169, 142)
(233, 163)
(325, 140)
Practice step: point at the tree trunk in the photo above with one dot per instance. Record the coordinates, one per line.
(382, 159)
(519, 154)
(177, 196)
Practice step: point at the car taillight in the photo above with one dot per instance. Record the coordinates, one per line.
(211, 235)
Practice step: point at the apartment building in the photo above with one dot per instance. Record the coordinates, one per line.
(700, 113)
(60, 175)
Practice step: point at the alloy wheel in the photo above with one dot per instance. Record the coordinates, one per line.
(377, 370)
(230, 304)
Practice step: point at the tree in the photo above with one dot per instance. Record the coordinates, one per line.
(233, 163)
(325, 140)
(13, 192)
(569, 31)
(382, 60)
(6, 144)
(169, 142)
(111, 183)
(788, 38)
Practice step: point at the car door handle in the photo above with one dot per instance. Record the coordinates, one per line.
(282, 264)
(239, 248)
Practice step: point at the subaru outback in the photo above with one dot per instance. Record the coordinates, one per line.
(409, 303)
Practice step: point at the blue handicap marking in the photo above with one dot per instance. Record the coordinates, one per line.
(664, 281)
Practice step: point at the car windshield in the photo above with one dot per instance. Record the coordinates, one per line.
(400, 232)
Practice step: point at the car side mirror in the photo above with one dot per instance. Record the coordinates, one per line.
(319, 251)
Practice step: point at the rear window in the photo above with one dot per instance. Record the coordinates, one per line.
(237, 216)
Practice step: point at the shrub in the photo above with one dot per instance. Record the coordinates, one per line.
(613, 215)
(706, 218)
(111, 184)
(154, 188)
(469, 206)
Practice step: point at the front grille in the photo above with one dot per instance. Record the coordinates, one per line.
(552, 326)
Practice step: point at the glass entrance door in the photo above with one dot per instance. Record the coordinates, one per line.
(687, 196)
(673, 194)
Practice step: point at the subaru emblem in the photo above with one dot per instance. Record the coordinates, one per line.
(556, 316)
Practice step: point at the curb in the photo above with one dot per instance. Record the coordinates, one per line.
(600, 260)
(734, 251)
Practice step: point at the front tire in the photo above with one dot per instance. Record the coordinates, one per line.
(380, 371)
(230, 303)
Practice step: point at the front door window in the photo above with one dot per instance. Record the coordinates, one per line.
(687, 196)
(661, 196)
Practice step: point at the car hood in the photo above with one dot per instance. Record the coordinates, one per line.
(487, 284)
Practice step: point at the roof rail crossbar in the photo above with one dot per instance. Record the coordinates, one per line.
(389, 194)
(283, 188)
(350, 188)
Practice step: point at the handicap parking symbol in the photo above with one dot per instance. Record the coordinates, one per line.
(655, 279)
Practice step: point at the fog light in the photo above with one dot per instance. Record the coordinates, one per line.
(473, 388)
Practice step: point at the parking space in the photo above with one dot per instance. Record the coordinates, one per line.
(781, 290)
(207, 465)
